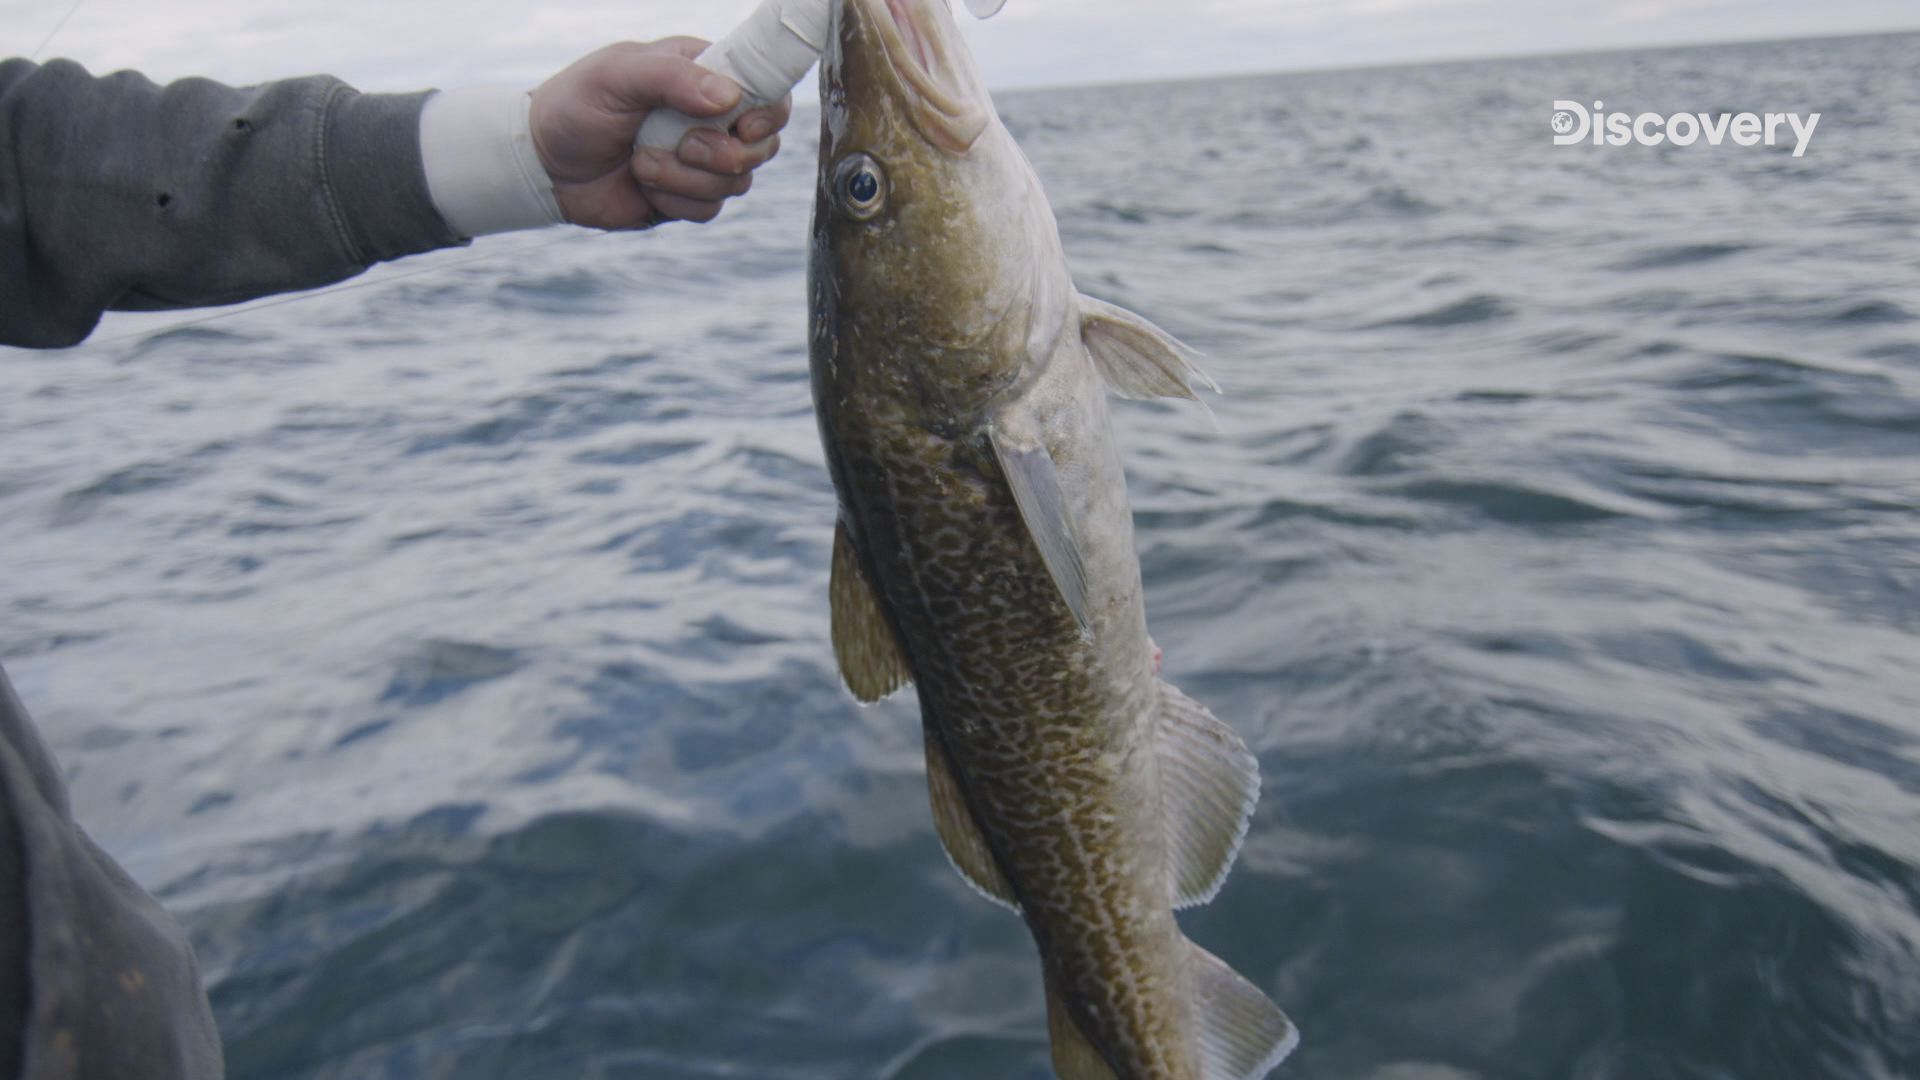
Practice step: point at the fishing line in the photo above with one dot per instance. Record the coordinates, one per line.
(57, 27)
(386, 279)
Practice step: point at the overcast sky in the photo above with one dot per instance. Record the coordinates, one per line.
(407, 44)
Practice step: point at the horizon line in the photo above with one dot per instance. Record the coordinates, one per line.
(1440, 61)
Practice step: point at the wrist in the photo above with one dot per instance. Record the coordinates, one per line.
(483, 170)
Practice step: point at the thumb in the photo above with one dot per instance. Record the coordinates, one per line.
(641, 79)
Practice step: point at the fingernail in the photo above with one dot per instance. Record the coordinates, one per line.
(720, 91)
(695, 151)
(647, 167)
(755, 128)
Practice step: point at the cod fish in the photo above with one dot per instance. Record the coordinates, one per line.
(984, 552)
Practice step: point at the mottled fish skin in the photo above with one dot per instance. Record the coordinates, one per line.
(946, 322)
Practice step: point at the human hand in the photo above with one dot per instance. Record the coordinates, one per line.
(584, 119)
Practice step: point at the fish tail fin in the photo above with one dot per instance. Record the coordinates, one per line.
(1074, 1058)
(1243, 1034)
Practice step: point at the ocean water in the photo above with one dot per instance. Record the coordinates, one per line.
(450, 652)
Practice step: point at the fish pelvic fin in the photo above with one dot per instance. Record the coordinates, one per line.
(870, 659)
(1035, 482)
(1243, 1034)
(1074, 1058)
(1210, 783)
(1138, 359)
(966, 848)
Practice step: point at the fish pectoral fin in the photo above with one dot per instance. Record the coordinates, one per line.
(1243, 1034)
(1036, 489)
(1210, 783)
(863, 641)
(1074, 1057)
(966, 848)
(1136, 358)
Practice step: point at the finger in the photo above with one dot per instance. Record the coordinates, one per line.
(765, 150)
(683, 209)
(636, 78)
(663, 173)
(715, 152)
(683, 45)
(613, 203)
(757, 124)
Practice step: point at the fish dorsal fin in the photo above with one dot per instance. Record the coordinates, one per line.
(1243, 1034)
(1136, 358)
(1036, 488)
(966, 848)
(1209, 783)
(863, 642)
(1074, 1058)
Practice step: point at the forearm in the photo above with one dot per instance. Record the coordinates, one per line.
(116, 193)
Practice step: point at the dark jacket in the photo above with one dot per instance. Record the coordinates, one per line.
(96, 981)
(119, 194)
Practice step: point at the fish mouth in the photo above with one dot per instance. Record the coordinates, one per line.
(923, 47)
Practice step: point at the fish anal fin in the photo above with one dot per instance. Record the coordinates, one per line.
(1209, 782)
(1035, 482)
(1136, 358)
(863, 642)
(1243, 1034)
(1074, 1058)
(966, 848)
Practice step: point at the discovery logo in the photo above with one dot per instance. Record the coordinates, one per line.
(1574, 123)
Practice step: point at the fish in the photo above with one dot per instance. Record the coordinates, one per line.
(984, 554)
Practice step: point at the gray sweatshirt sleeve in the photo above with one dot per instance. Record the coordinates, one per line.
(116, 193)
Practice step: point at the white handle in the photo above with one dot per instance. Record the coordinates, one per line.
(767, 54)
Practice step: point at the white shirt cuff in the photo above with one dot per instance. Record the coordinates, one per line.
(482, 169)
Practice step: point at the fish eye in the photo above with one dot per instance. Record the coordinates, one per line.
(861, 187)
